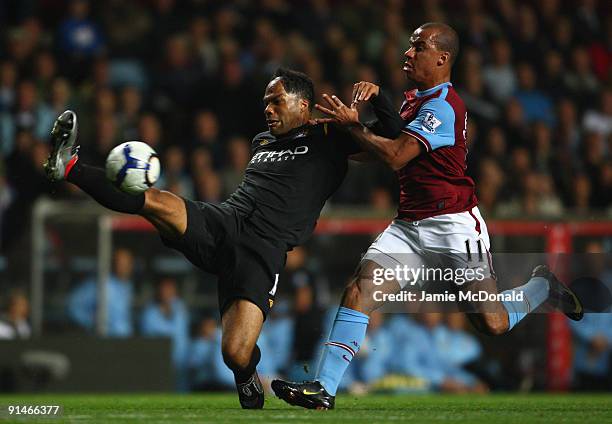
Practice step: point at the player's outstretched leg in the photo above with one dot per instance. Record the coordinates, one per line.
(345, 338)
(560, 296)
(64, 150)
(164, 210)
(495, 318)
(241, 324)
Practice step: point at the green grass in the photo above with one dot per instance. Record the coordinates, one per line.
(223, 408)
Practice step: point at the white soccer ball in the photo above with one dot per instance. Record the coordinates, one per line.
(133, 166)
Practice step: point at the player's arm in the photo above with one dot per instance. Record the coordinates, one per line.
(388, 121)
(363, 157)
(396, 152)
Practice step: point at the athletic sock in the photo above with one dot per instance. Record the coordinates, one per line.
(93, 181)
(535, 292)
(346, 336)
(243, 375)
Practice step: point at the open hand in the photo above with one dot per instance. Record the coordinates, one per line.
(364, 91)
(338, 112)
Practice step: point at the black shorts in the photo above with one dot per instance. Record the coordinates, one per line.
(221, 241)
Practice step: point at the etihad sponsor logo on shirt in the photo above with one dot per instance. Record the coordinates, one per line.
(430, 123)
(279, 155)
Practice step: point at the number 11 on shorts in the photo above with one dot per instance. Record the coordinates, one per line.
(273, 291)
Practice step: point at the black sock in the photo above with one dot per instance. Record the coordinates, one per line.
(242, 376)
(93, 181)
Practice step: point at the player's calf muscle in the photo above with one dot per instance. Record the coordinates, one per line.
(166, 211)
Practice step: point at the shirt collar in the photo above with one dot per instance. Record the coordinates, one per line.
(432, 90)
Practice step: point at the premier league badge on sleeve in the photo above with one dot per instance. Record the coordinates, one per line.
(430, 123)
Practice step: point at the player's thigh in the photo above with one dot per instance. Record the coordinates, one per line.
(241, 324)
(365, 293)
(397, 254)
(166, 211)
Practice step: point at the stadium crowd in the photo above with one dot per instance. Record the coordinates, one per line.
(412, 353)
(187, 77)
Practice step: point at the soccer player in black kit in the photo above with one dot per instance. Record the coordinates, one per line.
(294, 169)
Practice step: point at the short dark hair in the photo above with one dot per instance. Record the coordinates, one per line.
(296, 82)
(446, 39)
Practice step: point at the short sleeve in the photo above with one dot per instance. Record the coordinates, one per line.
(434, 125)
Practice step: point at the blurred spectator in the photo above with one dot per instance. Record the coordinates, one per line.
(178, 75)
(592, 351)
(14, 323)
(79, 36)
(150, 130)
(80, 39)
(45, 72)
(167, 316)
(280, 334)
(130, 109)
(552, 79)
(580, 81)
(206, 131)
(581, 194)
(8, 83)
(206, 364)
(127, 26)
(201, 161)
(535, 104)
(527, 44)
(105, 139)
(456, 345)
(29, 115)
(600, 120)
(475, 97)
(489, 171)
(27, 182)
(208, 187)
(205, 47)
(239, 155)
(418, 355)
(499, 76)
(174, 172)
(82, 302)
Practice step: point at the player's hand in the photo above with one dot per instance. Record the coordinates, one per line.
(315, 121)
(338, 112)
(364, 91)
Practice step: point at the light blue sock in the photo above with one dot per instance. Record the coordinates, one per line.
(535, 291)
(345, 338)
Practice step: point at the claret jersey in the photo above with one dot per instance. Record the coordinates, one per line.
(435, 183)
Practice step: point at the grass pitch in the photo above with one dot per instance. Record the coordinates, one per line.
(224, 408)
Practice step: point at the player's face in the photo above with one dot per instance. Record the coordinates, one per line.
(284, 111)
(422, 56)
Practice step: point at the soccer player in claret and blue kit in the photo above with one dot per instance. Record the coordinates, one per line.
(438, 223)
(295, 167)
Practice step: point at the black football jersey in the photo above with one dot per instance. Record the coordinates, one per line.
(289, 179)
